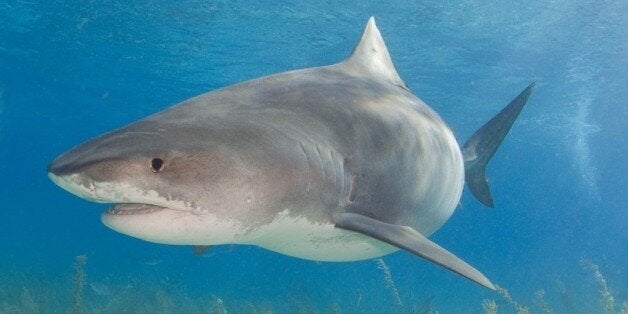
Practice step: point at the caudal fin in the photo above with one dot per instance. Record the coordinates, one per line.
(483, 144)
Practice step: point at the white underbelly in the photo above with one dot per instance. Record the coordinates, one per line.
(302, 238)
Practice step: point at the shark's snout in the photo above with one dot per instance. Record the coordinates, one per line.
(61, 165)
(77, 159)
(81, 169)
(99, 153)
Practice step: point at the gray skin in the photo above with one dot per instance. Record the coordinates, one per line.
(279, 161)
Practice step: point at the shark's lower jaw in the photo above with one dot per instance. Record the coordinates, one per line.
(132, 209)
(172, 226)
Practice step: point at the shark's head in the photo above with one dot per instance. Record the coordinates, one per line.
(167, 184)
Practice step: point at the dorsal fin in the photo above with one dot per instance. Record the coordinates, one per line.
(371, 56)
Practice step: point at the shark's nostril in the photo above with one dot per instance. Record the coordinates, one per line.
(62, 165)
(56, 166)
(50, 168)
(66, 164)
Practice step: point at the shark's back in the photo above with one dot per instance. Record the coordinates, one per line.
(378, 149)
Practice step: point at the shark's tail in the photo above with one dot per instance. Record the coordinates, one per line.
(483, 144)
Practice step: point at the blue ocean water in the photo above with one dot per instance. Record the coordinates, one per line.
(70, 70)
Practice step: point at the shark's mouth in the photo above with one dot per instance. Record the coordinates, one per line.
(133, 209)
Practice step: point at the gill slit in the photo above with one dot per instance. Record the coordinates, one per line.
(339, 173)
(320, 158)
(309, 166)
(334, 169)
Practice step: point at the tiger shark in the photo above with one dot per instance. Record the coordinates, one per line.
(332, 163)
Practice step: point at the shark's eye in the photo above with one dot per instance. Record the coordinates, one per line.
(157, 164)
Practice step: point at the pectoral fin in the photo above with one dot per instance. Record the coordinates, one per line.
(410, 240)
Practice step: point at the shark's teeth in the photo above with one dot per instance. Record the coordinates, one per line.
(132, 209)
